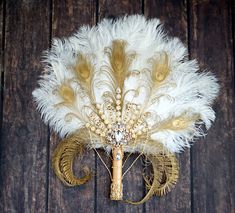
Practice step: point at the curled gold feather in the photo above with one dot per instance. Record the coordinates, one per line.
(168, 167)
(164, 177)
(62, 161)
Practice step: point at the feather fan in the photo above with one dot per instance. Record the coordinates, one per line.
(124, 86)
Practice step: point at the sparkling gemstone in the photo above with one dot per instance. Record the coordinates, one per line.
(118, 156)
(118, 136)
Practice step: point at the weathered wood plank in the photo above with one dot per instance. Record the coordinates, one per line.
(112, 8)
(67, 16)
(24, 137)
(2, 32)
(174, 16)
(133, 181)
(213, 158)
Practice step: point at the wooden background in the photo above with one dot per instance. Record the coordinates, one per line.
(27, 183)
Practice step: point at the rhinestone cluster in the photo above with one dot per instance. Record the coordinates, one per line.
(118, 134)
(118, 124)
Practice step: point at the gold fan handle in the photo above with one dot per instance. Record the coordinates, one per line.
(116, 185)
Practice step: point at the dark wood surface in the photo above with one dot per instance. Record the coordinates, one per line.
(174, 16)
(27, 182)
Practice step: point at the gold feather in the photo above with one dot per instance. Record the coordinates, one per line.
(160, 68)
(120, 61)
(83, 69)
(165, 175)
(177, 123)
(84, 74)
(169, 172)
(67, 93)
(62, 160)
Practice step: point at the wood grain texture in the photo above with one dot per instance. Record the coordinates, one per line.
(112, 8)
(2, 32)
(67, 17)
(133, 181)
(173, 14)
(2, 41)
(27, 182)
(23, 137)
(213, 157)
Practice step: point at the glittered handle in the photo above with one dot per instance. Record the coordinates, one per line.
(116, 186)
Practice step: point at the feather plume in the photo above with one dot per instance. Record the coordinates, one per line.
(125, 84)
(120, 61)
(62, 160)
(160, 69)
(175, 85)
(67, 94)
(164, 177)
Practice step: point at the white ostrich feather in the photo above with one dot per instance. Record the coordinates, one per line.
(186, 91)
